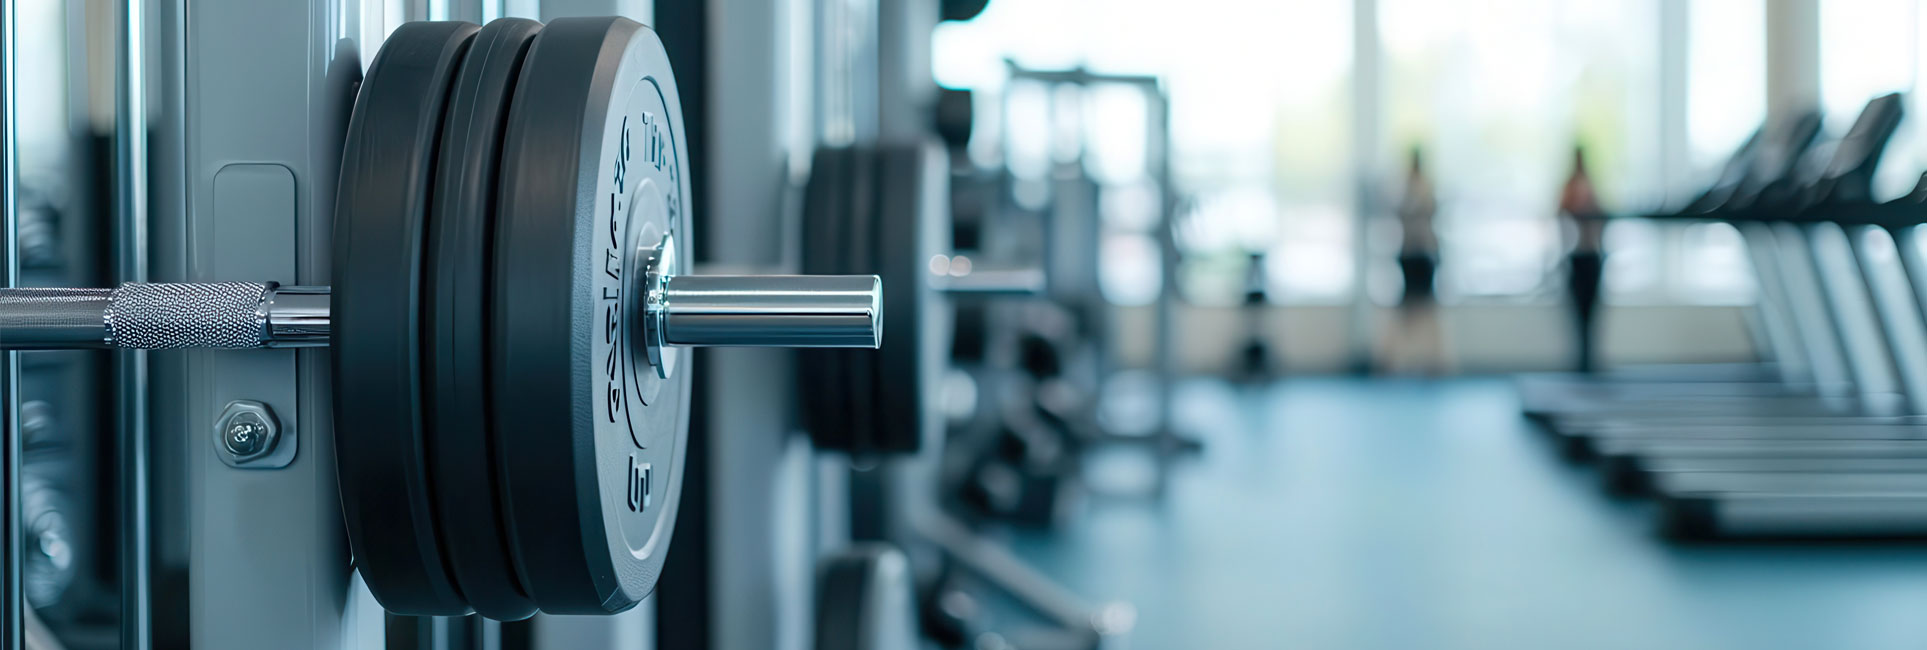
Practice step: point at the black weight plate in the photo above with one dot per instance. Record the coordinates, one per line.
(859, 244)
(455, 343)
(590, 439)
(865, 600)
(826, 209)
(387, 175)
(955, 115)
(810, 373)
(825, 198)
(916, 338)
(961, 9)
(842, 228)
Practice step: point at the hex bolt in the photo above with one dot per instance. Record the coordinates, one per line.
(246, 434)
(247, 431)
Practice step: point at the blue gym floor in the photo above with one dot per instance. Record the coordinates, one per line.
(1356, 513)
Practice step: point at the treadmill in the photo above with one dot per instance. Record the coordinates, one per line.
(1820, 486)
(1766, 158)
(1831, 350)
(1722, 469)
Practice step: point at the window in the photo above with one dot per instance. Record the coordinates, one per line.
(1870, 48)
(1726, 78)
(1260, 124)
(1714, 265)
(1497, 93)
(1725, 103)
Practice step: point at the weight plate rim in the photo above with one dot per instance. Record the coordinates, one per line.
(921, 329)
(380, 220)
(569, 554)
(455, 337)
(839, 362)
(860, 258)
(827, 406)
(886, 227)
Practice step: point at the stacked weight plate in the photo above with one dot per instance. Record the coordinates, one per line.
(879, 210)
(505, 445)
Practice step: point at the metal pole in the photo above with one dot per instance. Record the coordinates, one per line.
(130, 376)
(1169, 300)
(1792, 56)
(165, 315)
(1368, 132)
(53, 318)
(773, 311)
(12, 634)
(832, 311)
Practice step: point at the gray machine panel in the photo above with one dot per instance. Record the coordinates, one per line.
(267, 87)
(254, 208)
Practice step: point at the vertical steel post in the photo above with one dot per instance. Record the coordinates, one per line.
(130, 366)
(12, 634)
(1367, 164)
(1169, 443)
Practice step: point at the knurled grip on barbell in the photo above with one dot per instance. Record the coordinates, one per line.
(149, 316)
(215, 315)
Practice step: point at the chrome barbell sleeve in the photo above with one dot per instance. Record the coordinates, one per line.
(811, 311)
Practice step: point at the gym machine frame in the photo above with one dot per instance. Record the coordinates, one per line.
(1164, 439)
(294, 521)
(12, 634)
